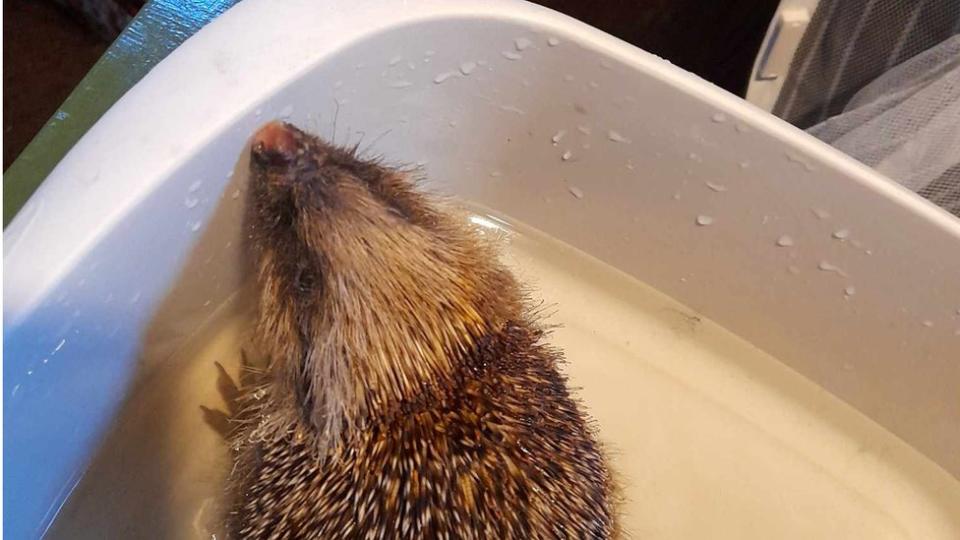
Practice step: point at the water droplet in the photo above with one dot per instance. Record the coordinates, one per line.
(616, 137)
(195, 226)
(828, 267)
(629, 165)
(260, 393)
(568, 77)
(45, 360)
(510, 55)
(703, 220)
(191, 202)
(467, 67)
(411, 66)
(744, 164)
(444, 76)
(286, 112)
(676, 196)
(585, 130)
(236, 194)
(558, 136)
(566, 156)
(841, 234)
(849, 291)
(928, 323)
(395, 60)
(522, 43)
(576, 192)
(552, 41)
(785, 241)
(799, 161)
(719, 188)
(511, 108)
(820, 213)
(401, 84)
(29, 372)
(718, 117)
(59, 346)
(452, 123)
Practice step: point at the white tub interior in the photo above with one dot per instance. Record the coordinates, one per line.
(134, 240)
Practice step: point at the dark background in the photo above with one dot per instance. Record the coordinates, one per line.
(49, 45)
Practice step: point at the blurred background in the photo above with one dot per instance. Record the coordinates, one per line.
(49, 45)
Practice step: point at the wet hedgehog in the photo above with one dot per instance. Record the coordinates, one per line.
(408, 393)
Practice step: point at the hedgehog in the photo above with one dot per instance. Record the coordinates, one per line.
(409, 391)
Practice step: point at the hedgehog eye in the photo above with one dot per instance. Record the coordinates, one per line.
(305, 280)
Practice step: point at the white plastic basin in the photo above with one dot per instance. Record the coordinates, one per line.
(847, 280)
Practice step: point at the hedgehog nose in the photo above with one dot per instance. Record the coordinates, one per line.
(274, 144)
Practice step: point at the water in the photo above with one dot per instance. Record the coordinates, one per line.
(522, 43)
(708, 436)
(439, 79)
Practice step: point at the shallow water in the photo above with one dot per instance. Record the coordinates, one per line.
(709, 436)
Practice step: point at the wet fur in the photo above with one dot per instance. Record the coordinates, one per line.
(409, 394)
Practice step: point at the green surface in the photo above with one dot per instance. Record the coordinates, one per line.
(159, 28)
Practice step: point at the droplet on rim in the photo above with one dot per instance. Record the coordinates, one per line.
(616, 137)
(522, 43)
(439, 79)
(719, 188)
(928, 324)
(784, 241)
(558, 136)
(566, 156)
(195, 186)
(552, 41)
(826, 266)
(841, 234)
(467, 67)
(576, 192)
(703, 220)
(850, 291)
(719, 117)
(510, 55)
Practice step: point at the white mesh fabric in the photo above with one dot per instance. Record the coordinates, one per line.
(906, 124)
(880, 80)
